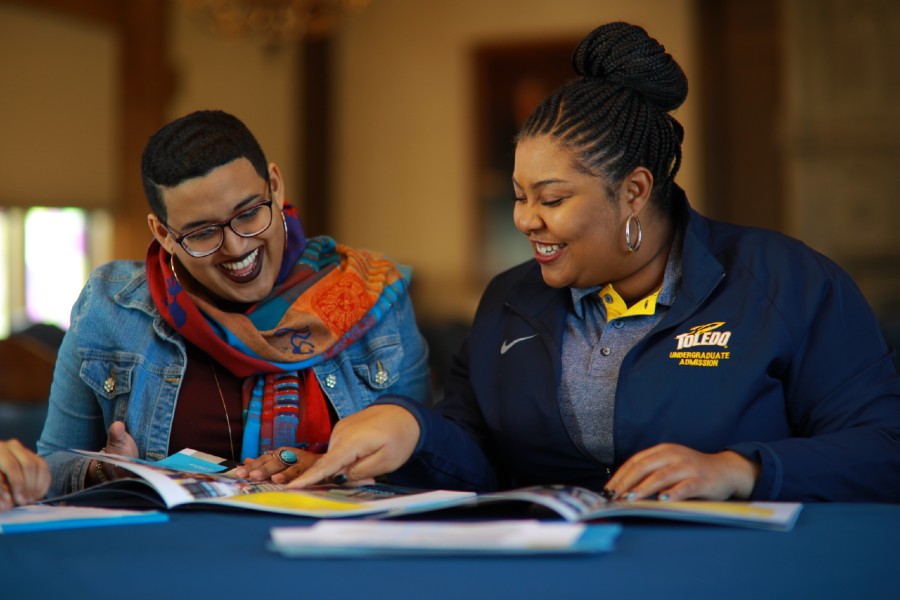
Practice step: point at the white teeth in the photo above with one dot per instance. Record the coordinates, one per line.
(242, 264)
(547, 250)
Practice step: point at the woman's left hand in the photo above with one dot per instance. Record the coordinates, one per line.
(675, 472)
(270, 466)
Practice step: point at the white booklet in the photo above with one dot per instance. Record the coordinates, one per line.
(508, 537)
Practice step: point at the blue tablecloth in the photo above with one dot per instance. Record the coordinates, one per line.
(835, 551)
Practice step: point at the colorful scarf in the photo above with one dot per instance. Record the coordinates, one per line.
(326, 297)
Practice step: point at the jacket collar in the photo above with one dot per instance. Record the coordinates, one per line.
(133, 293)
(531, 296)
(701, 271)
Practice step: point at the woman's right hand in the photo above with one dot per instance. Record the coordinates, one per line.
(374, 441)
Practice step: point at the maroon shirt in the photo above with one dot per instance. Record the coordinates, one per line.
(199, 421)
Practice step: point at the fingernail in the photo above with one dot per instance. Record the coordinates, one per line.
(339, 479)
(663, 497)
(630, 496)
(608, 493)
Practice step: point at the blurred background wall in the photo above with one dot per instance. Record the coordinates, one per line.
(379, 126)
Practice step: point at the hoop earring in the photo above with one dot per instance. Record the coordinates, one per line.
(635, 245)
(172, 266)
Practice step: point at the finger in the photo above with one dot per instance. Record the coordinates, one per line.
(244, 469)
(13, 465)
(42, 480)
(116, 442)
(682, 490)
(361, 482)
(261, 468)
(270, 464)
(329, 465)
(663, 481)
(35, 475)
(307, 460)
(6, 500)
(265, 466)
(629, 477)
(367, 467)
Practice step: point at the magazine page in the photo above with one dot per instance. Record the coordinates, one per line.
(332, 501)
(570, 502)
(580, 504)
(776, 516)
(177, 488)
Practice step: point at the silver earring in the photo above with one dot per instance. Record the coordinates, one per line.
(633, 246)
(284, 223)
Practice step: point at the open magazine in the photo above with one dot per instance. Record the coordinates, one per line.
(580, 504)
(193, 481)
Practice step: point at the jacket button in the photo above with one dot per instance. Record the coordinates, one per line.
(331, 380)
(605, 351)
(109, 385)
(381, 376)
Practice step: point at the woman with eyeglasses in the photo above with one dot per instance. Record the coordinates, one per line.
(238, 336)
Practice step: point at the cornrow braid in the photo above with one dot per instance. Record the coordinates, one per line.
(615, 116)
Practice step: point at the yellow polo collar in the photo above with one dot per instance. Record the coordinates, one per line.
(616, 307)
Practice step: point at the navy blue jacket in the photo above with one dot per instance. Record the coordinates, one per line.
(769, 349)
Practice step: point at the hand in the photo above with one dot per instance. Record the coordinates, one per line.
(120, 442)
(374, 441)
(269, 466)
(675, 472)
(24, 476)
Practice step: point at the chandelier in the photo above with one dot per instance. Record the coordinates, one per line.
(275, 22)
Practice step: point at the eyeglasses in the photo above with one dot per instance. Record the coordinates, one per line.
(248, 223)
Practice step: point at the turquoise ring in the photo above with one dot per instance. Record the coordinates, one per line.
(287, 457)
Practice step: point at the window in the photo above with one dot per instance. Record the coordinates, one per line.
(46, 255)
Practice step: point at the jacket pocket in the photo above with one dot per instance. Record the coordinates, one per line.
(109, 375)
(380, 368)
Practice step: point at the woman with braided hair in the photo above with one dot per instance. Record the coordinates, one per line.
(646, 350)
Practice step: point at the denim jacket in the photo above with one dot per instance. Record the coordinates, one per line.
(120, 360)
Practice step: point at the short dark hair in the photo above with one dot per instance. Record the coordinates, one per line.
(615, 117)
(192, 146)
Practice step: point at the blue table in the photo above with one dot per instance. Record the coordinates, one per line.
(836, 551)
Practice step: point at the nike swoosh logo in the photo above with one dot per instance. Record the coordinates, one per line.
(505, 346)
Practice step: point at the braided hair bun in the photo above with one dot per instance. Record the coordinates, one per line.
(626, 54)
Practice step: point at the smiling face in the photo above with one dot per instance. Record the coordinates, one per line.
(576, 230)
(242, 270)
